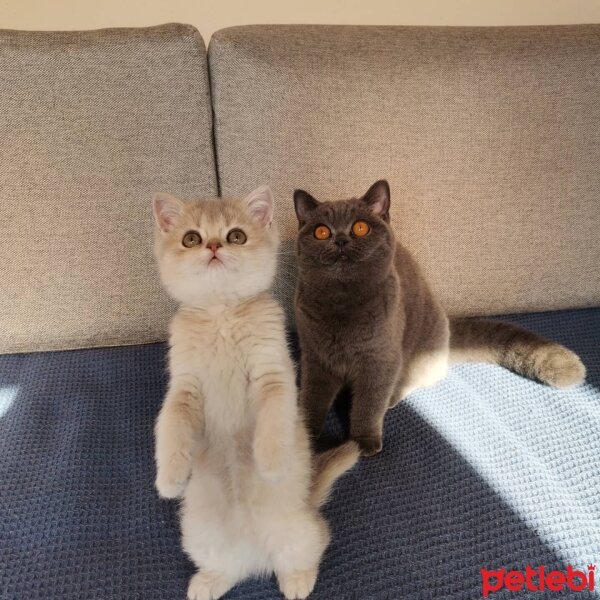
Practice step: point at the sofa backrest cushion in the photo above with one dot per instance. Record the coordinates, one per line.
(489, 137)
(91, 125)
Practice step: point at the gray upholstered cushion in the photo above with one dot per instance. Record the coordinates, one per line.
(91, 125)
(489, 137)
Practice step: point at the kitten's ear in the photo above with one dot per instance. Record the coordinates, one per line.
(378, 199)
(167, 210)
(260, 205)
(304, 203)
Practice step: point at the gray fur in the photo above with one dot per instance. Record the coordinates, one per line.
(367, 318)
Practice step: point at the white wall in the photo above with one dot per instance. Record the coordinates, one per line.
(210, 15)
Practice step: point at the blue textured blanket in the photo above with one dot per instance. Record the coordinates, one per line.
(485, 470)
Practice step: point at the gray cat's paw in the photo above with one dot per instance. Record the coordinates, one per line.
(369, 445)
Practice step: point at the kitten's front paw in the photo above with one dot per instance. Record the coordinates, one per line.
(270, 461)
(369, 445)
(172, 476)
(298, 584)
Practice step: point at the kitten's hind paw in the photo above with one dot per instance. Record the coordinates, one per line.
(208, 585)
(298, 584)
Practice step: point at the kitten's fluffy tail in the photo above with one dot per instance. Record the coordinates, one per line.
(328, 466)
(476, 340)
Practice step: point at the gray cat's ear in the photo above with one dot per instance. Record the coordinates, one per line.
(260, 205)
(304, 203)
(167, 210)
(378, 199)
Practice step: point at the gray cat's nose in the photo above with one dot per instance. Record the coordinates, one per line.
(341, 240)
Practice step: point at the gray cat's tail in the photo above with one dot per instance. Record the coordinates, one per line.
(328, 466)
(517, 349)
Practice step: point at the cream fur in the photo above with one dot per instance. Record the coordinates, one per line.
(229, 439)
(425, 369)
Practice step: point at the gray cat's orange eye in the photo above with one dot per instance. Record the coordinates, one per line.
(237, 236)
(191, 239)
(360, 228)
(322, 232)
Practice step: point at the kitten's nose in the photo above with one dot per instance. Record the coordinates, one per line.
(341, 240)
(214, 245)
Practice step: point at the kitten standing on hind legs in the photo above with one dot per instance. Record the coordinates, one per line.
(229, 438)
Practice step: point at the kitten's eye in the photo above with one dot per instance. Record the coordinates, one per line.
(237, 236)
(191, 238)
(360, 229)
(322, 232)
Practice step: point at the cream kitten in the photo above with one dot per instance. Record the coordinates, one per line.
(229, 438)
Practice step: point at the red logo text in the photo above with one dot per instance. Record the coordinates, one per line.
(537, 580)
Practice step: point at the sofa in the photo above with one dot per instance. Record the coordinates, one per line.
(489, 138)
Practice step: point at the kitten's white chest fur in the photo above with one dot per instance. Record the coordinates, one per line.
(209, 350)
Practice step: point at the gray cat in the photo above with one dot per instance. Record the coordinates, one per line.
(367, 318)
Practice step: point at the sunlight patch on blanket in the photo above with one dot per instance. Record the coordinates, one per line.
(7, 397)
(537, 447)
